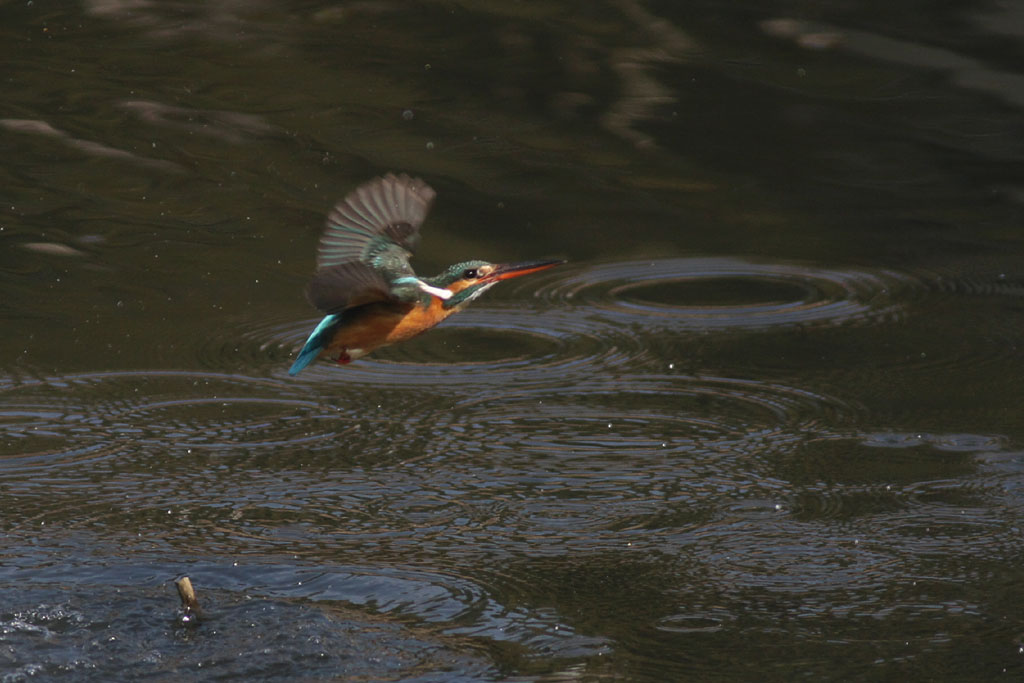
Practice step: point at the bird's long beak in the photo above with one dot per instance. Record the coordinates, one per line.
(504, 271)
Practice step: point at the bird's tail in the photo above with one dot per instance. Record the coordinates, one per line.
(320, 338)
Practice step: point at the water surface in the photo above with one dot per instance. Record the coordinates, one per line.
(763, 425)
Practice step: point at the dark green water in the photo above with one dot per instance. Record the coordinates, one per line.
(765, 425)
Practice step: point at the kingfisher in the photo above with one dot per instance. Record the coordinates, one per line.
(364, 282)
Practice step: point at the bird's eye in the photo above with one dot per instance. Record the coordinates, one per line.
(470, 274)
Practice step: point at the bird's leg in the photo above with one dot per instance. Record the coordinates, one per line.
(344, 358)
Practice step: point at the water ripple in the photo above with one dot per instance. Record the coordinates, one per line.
(597, 458)
(481, 345)
(602, 459)
(81, 419)
(729, 294)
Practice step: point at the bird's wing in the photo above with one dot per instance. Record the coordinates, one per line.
(369, 238)
(345, 285)
(380, 219)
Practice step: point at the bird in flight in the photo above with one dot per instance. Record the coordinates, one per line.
(365, 285)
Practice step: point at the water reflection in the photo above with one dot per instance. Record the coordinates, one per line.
(965, 71)
(228, 126)
(89, 147)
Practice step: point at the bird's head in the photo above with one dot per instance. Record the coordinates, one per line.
(469, 279)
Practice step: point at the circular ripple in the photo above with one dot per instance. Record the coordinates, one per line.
(264, 343)
(725, 293)
(645, 414)
(81, 419)
(607, 461)
(144, 444)
(604, 458)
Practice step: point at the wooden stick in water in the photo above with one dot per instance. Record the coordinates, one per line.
(189, 602)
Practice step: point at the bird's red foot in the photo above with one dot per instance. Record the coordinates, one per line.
(344, 358)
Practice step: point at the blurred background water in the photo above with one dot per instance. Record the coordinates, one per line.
(766, 424)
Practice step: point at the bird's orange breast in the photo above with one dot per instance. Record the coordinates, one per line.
(375, 325)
